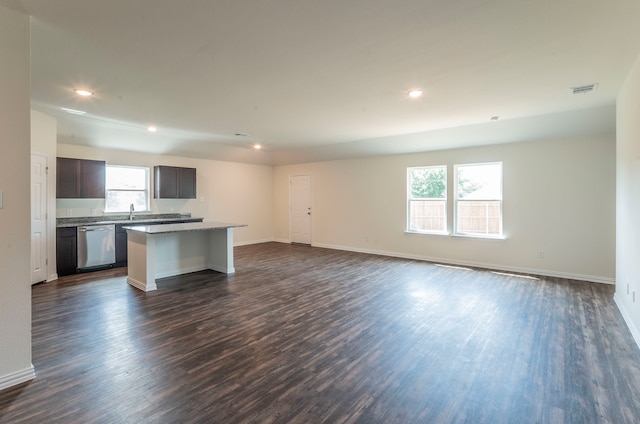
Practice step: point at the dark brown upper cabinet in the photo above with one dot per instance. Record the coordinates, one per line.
(80, 179)
(173, 182)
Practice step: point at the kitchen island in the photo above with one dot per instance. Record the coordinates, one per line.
(158, 251)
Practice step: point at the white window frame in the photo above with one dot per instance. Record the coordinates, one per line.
(456, 200)
(147, 190)
(411, 199)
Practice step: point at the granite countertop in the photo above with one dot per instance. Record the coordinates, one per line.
(123, 219)
(189, 226)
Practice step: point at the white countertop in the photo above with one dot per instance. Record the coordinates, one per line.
(187, 226)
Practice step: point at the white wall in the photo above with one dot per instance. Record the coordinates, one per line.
(15, 287)
(227, 191)
(558, 198)
(628, 201)
(43, 142)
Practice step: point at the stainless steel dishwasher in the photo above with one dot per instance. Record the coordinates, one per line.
(96, 246)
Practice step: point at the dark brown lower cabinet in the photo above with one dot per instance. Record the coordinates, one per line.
(66, 251)
(121, 246)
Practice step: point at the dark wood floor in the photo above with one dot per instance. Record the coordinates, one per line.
(309, 335)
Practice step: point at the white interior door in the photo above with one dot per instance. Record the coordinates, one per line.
(38, 218)
(300, 205)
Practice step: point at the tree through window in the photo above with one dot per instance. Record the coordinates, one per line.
(427, 199)
(478, 199)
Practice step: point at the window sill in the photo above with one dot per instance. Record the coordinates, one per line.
(480, 237)
(429, 233)
(462, 236)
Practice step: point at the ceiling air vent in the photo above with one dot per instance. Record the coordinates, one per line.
(584, 89)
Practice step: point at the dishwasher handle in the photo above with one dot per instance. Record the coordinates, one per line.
(87, 229)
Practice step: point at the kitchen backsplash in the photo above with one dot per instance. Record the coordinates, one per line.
(71, 208)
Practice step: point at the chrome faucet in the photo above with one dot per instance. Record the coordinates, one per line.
(131, 212)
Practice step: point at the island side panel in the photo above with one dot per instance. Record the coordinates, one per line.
(221, 250)
(180, 252)
(141, 261)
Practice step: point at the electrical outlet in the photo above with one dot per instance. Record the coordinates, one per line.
(541, 254)
(69, 212)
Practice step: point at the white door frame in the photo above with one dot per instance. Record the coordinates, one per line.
(292, 239)
(40, 251)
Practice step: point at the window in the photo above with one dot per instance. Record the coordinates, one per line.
(126, 186)
(427, 198)
(478, 199)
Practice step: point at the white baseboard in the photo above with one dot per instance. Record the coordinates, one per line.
(222, 269)
(492, 266)
(247, 243)
(17, 377)
(627, 318)
(140, 285)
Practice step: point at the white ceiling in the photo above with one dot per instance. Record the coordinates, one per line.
(326, 79)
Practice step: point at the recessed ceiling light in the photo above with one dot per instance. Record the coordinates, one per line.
(82, 92)
(152, 129)
(73, 111)
(257, 146)
(415, 93)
